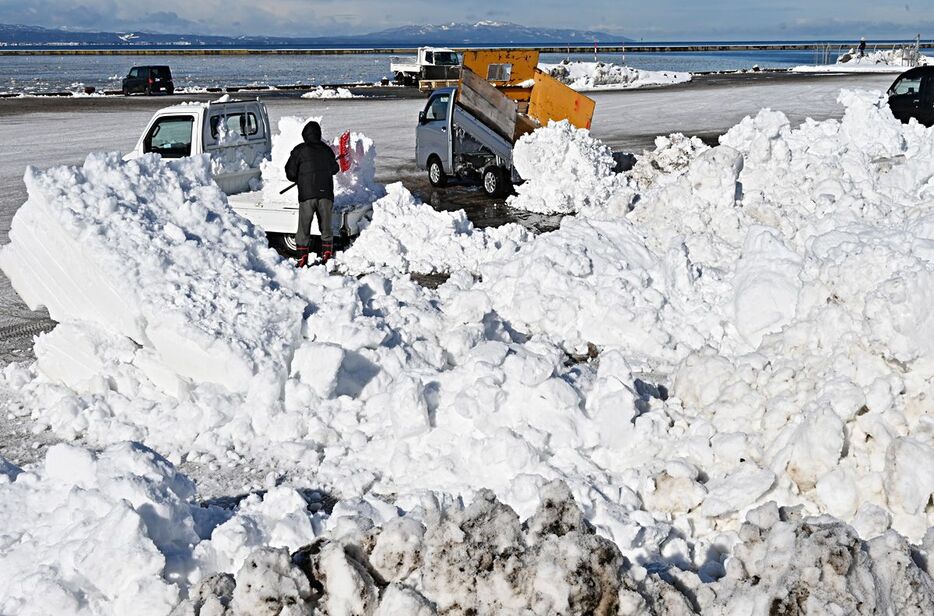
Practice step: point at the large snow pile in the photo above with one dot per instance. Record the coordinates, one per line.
(149, 251)
(721, 329)
(565, 170)
(329, 93)
(588, 76)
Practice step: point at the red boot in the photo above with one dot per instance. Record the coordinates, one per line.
(303, 258)
(327, 251)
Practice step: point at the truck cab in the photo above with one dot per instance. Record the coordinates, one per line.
(235, 133)
(432, 64)
(912, 96)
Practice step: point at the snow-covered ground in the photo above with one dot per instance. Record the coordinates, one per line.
(590, 76)
(880, 61)
(706, 391)
(329, 93)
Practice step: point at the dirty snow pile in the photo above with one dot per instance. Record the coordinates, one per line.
(119, 532)
(354, 187)
(879, 61)
(329, 93)
(590, 76)
(725, 356)
(408, 236)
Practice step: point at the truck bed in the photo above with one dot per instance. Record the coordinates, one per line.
(483, 134)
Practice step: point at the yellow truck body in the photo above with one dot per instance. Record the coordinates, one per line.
(505, 88)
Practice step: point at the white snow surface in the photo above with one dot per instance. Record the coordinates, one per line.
(879, 61)
(590, 76)
(408, 236)
(329, 93)
(721, 329)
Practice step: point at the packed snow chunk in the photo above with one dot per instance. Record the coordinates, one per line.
(670, 158)
(909, 474)
(587, 76)
(278, 519)
(154, 254)
(565, 170)
(268, 583)
(353, 187)
(766, 284)
(329, 93)
(786, 564)
(95, 533)
(408, 236)
(399, 599)
(589, 282)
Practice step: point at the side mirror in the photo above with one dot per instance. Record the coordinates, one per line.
(421, 117)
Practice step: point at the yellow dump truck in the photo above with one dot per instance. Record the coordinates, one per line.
(468, 131)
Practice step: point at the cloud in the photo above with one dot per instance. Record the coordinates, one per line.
(659, 19)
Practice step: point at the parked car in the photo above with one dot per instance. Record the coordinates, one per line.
(149, 80)
(912, 96)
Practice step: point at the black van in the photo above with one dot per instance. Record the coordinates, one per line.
(912, 96)
(149, 80)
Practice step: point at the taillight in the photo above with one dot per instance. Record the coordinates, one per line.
(150, 81)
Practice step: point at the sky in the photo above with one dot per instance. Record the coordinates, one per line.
(655, 20)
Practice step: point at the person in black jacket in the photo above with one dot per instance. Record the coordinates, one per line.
(311, 166)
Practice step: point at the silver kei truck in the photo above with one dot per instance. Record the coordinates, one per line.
(469, 131)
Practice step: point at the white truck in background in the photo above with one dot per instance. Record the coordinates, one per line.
(237, 136)
(432, 68)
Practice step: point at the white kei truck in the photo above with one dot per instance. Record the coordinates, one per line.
(237, 136)
(431, 68)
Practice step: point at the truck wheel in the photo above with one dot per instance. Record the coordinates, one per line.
(495, 181)
(284, 244)
(436, 174)
(126, 92)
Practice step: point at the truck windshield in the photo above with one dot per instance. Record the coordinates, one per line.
(437, 108)
(446, 58)
(170, 137)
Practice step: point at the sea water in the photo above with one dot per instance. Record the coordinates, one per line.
(35, 74)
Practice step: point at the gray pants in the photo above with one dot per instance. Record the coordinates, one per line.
(307, 210)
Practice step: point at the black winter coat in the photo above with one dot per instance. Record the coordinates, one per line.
(311, 165)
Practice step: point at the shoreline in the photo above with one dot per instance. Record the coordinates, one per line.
(337, 51)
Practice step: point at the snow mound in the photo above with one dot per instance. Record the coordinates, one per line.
(737, 325)
(148, 249)
(565, 170)
(790, 564)
(589, 76)
(329, 93)
(671, 157)
(408, 236)
(879, 61)
(94, 533)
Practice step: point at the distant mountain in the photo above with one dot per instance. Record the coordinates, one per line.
(488, 33)
(453, 35)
